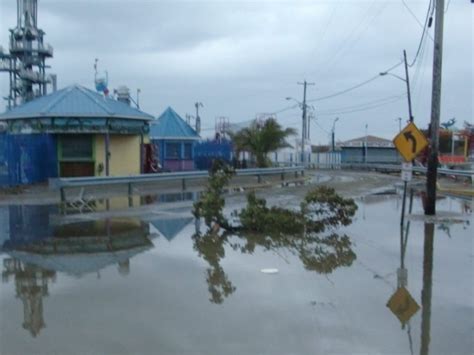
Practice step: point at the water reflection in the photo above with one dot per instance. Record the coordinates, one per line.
(31, 285)
(76, 249)
(317, 252)
(402, 304)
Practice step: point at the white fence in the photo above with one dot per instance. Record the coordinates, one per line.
(322, 160)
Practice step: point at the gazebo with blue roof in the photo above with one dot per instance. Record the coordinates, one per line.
(72, 132)
(174, 141)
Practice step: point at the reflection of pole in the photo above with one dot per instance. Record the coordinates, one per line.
(427, 287)
(402, 218)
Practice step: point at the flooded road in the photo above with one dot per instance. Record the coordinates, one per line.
(131, 286)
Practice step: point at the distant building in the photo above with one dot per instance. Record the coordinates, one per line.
(368, 149)
(174, 141)
(72, 132)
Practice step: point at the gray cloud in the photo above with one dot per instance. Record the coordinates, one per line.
(244, 57)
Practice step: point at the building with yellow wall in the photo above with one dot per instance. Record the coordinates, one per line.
(75, 132)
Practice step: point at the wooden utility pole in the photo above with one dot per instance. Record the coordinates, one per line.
(432, 171)
(305, 125)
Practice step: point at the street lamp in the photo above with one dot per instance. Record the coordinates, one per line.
(399, 119)
(333, 132)
(407, 82)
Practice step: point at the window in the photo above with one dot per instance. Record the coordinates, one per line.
(76, 147)
(188, 151)
(173, 150)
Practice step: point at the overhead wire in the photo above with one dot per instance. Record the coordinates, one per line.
(362, 105)
(429, 15)
(365, 82)
(357, 35)
(367, 108)
(415, 17)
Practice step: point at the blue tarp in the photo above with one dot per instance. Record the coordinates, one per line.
(27, 159)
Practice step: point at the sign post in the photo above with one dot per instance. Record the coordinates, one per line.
(409, 142)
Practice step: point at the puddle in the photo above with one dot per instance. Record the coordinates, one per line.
(128, 286)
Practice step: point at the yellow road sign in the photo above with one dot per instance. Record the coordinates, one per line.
(410, 142)
(403, 305)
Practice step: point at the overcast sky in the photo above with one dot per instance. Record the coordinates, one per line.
(242, 58)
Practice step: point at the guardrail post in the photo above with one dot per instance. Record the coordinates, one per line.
(183, 184)
(63, 200)
(259, 179)
(282, 176)
(302, 172)
(130, 195)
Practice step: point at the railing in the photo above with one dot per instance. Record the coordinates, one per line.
(36, 47)
(62, 184)
(397, 168)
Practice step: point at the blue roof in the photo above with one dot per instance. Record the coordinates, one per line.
(171, 126)
(171, 227)
(75, 101)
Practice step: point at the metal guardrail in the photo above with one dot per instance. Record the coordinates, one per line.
(395, 168)
(62, 184)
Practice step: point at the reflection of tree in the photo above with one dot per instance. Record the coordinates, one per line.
(31, 285)
(308, 233)
(322, 254)
(211, 247)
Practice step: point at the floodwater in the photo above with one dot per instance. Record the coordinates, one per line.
(128, 286)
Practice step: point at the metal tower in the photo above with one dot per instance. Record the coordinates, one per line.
(25, 62)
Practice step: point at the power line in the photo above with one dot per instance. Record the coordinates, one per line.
(285, 109)
(367, 108)
(365, 104)
(416, 18)
(375, 77)
(429, 16)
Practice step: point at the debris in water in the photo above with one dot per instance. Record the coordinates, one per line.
(269, 271)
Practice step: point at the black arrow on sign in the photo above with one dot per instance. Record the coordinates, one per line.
(409, 137)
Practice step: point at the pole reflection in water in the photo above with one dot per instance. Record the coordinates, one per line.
(427, 287)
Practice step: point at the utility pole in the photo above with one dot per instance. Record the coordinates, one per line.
(305, 126)
(432, 171)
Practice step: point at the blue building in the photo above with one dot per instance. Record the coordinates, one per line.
(71, 132)
(207, 151)
(174, 141)
(368, 149)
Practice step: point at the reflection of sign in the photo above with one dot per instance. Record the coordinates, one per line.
(410, 142)
(403, 305)
(407, 171)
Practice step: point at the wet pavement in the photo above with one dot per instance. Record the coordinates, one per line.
(152, 286)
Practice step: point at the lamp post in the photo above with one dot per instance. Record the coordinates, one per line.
(366, 143)
(399, 119)
(407, 81)
(333, 133)
(410, 114)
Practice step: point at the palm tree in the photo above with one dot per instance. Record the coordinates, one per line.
(261, 138)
